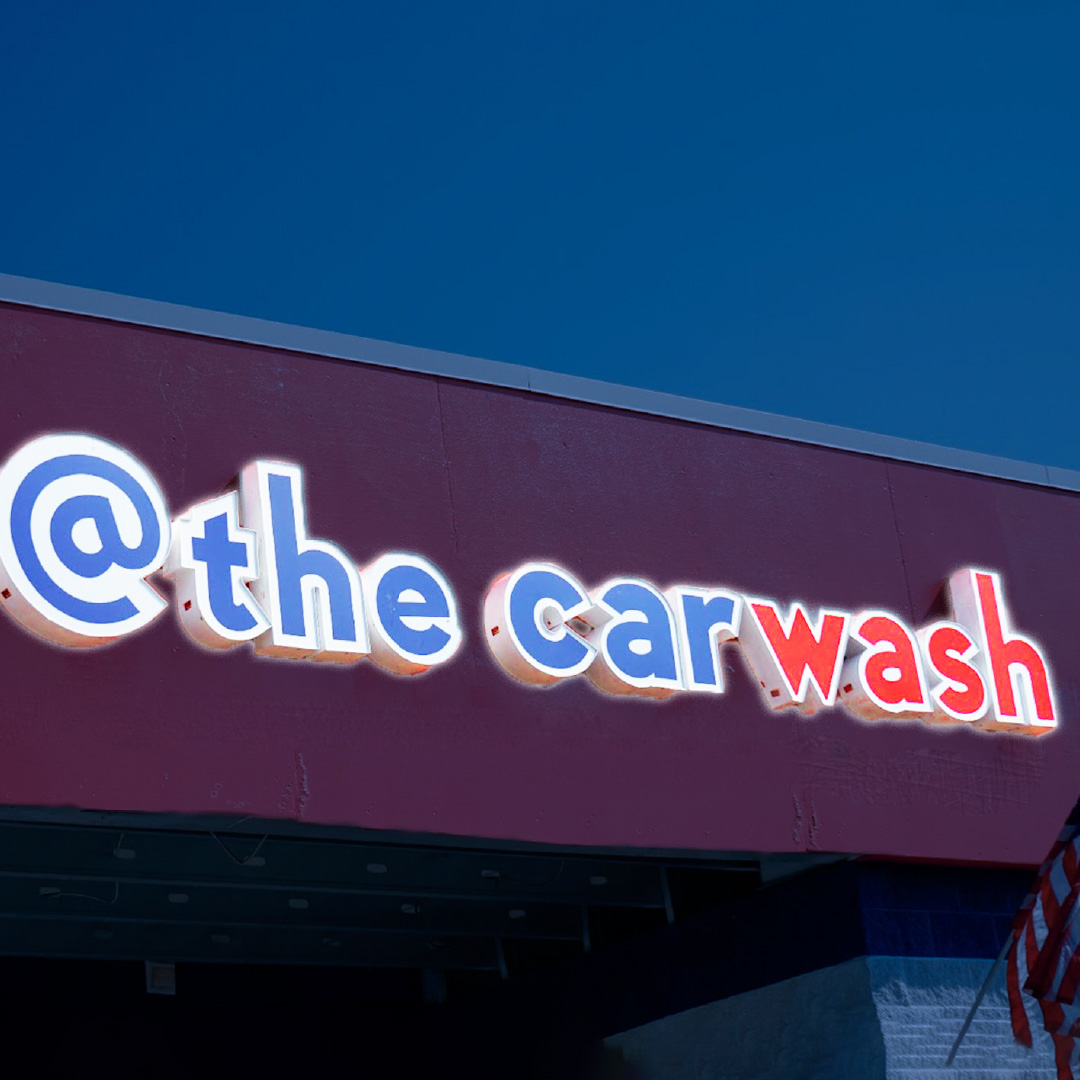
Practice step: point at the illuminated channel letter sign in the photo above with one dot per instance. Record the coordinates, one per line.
(543, 627)
(83, 525)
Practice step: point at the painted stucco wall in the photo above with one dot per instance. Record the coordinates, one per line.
(479, 480)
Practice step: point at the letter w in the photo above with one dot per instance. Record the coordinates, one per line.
(796, 662)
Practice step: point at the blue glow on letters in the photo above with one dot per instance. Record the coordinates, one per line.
(529, 591)
(220, 555)
(700, 617)
(392, 609)
(659, 662)
(293, 564)
(83, 564)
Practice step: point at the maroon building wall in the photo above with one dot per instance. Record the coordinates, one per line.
(480, 480)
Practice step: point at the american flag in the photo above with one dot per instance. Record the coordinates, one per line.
(1043, 965)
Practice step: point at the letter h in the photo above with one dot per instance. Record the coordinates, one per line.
(1017, 674)
(310, 589)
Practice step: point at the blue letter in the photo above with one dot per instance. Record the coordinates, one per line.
(82, 525)
(412, 614)
(210, 560)
(309, 588)
(706, 619)
(637, 653)
(526, 615)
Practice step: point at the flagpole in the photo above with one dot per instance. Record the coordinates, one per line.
(978, 1000)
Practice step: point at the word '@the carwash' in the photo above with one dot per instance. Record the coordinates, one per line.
(83, 524)
(628, 637)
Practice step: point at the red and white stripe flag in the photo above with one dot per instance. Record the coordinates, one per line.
(1044, 958)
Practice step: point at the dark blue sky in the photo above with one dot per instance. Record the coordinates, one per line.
(861, 212)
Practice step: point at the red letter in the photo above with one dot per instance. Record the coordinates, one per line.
(960, 695)
(790, 657)
(886, 679)
(1021, 699)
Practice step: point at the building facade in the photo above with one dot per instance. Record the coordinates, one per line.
(547, 726)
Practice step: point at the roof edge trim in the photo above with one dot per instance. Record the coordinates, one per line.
(157, 314)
